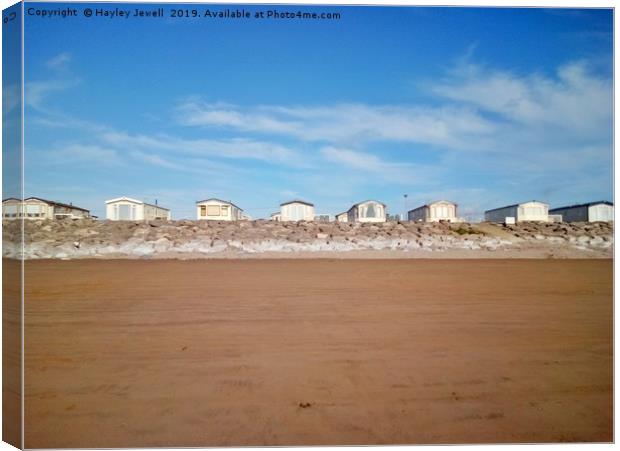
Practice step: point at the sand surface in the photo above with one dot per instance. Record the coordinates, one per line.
(297, 352)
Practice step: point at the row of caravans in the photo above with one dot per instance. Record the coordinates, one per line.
(122, 208)
(299, 210)
(539, 212)
(126, 208)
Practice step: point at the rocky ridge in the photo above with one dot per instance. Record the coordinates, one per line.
(87, 238)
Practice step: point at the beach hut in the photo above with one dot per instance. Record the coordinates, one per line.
(37, 208)
(296, 210)
(441, 210)
(526, 211)
(589, 212)
(128, 209)
(367, 211)
(218, 210)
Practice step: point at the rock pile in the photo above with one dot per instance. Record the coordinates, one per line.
(88, 238)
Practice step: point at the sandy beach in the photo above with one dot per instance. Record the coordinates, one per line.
(123, 353)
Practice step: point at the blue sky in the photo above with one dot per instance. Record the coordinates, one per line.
(484, 107)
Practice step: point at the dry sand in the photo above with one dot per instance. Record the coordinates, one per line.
(299, 352)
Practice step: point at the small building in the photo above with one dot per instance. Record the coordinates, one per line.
(323, 218)
(218, 210)
(342, 217)
(37, 208)
(589, 212)
(526, 211)
(128, 209)
(441, 210)
(367, 211)
(276, 216)
(296, 210)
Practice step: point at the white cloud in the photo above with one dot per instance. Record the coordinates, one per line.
(37, 92)
(342, 123)
(235, 148)
(364, 162)
(574, 101)
(355, 160)
(59, 61)
(79, 153)
(475, 110)
(156, 160)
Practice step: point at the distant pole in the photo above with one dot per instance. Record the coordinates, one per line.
(405, 204)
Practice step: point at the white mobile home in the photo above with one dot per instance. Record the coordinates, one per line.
(296, 210)
(37, 208)
(128, 209)
(342, 217)
(218, 210)
(526, 211)
(588, 212)
(276, 216)
(441, 210)
(367, 211)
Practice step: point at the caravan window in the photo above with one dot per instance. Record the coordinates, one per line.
(33, 211)
(10, 211)
(370, 211)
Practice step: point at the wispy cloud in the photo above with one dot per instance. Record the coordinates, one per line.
(344, 123)
(393, 172)
(36, 92)
(575, 101)
(59, 61)
(156, 160)
(475, 109)
(235, 148)
(64, 155)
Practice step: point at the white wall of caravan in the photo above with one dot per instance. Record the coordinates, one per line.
(527, 211)
(125, 210)
(297, 211)
(154, 212)
(600, 212)
(216, 210)
(369, 211)
(442, 211)
(533, 211)
(342, 217)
